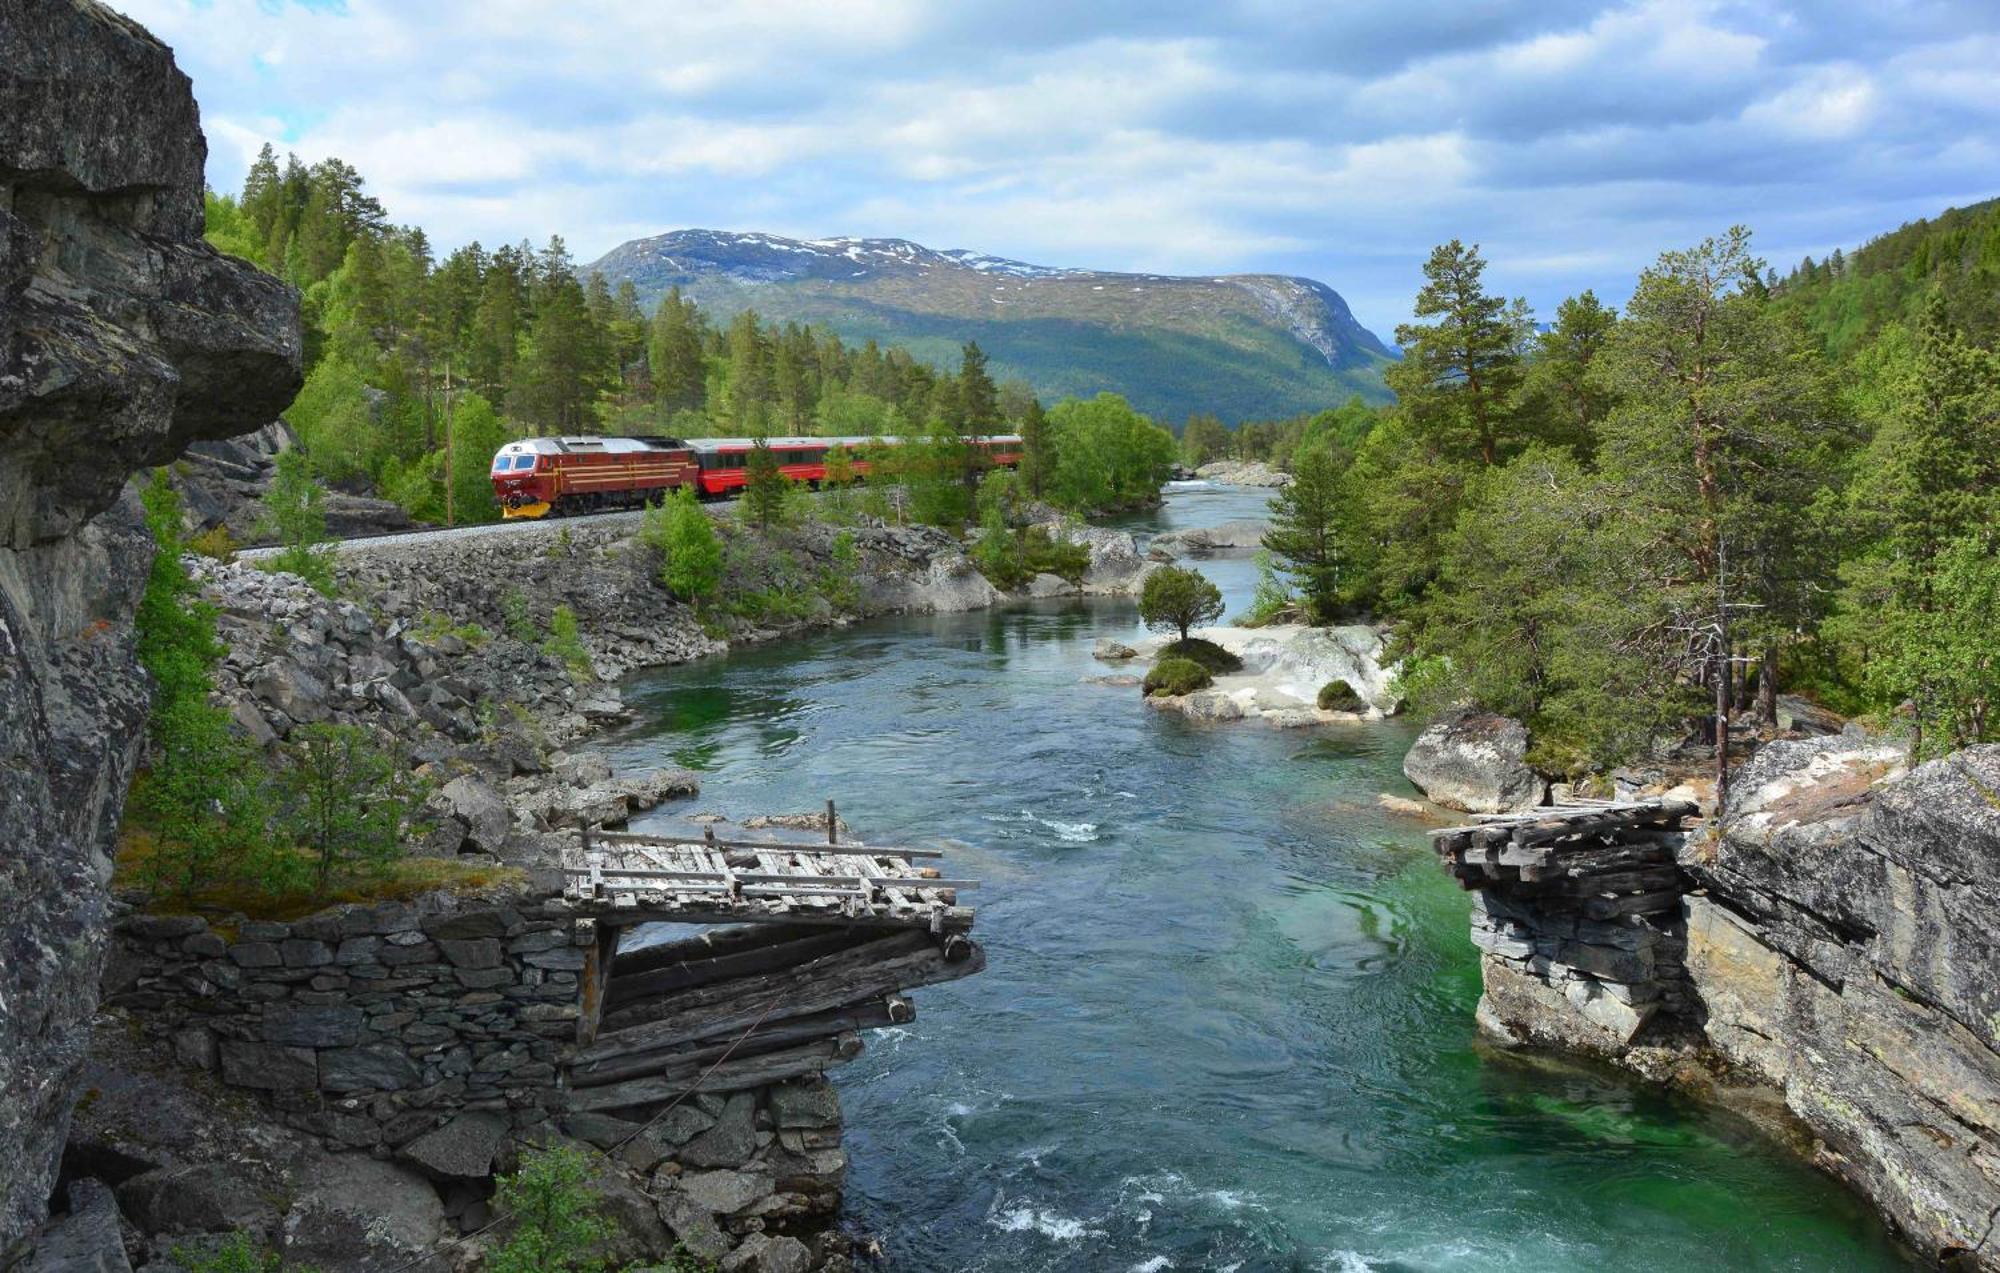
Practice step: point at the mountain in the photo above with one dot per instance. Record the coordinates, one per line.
(1244, 346)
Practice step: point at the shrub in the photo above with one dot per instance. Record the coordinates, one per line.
(216, 543)
(566, 642)
(516, 617)
(1207, 653)
(1176, 599)
(343, 799)
(840, 582)
(295, 514)
(690, 553)
(235, 1254)
(1338, 696)
(1176, 677)
(557, 1227)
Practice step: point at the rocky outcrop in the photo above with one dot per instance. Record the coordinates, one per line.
(1236, 538)
(1242, 473)
(1284, 668)
(123, 338)
(1846, 946)
(1475, 762)
(223, 482)
(1837, 938)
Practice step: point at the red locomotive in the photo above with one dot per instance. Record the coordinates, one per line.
(540, 477)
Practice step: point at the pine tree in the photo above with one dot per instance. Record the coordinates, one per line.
(765, 486)
(1458, 374)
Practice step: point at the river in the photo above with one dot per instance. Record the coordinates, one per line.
(1227, 1020)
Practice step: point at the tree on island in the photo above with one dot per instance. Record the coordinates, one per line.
(1305, 530)
(1178, 599)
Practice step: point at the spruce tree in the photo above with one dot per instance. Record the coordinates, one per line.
(1305, 530)
(1458, 373)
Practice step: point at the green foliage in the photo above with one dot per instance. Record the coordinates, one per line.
(1338, 696)
(556, 1221)
(434, 624)
(1175, 677)
(1176, 599)
(334, 420)
(766, 489)
(518, 617)
(1306, 530)
(1106, 455)
(1941, 659)
(215, 543)
(1202, 651)
(840, 581)
(1272, 597)
(238, 1253)
(295, 514)
(343, 798)
(1204, 438)
(1456, 380)
(684, 537)
(196, 794)
(566, 642)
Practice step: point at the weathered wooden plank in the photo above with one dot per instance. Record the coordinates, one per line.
(699, 966)
(730, 1076)
(772, 1035)
(666, 841)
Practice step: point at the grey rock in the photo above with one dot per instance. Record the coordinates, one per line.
(481, 808)
(726, 1192)
(763, 1253)
(1112, 651)
(86, 1240)
(199, 1198)
(378, 1067)
(663, 1136)
(463, 1148)
(1476, 762)
(300, 1025)
(477, 952)
(805, 1103)
(692, 1225)
(732, 1140)
(358, 1213)
(275, 1069)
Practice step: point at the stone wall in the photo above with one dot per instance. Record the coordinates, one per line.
(123, 338)
(435, 1033)
(366, 1025)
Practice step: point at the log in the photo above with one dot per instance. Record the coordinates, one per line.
(731, 1076)
(707, 945)
(835, 982)
(775, 1034)
(666, 977)
(793, 846)
(1632, 904)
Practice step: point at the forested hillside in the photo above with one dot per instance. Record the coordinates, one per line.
(419, 369)
(1782, 485)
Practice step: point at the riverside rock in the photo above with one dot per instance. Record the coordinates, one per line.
(1475, 762)
(1284, 666)
(1242, 473)
(123, 339)
(1235, 538)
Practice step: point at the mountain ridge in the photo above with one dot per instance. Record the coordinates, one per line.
(1244, 346)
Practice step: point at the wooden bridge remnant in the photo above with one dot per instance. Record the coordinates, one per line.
(807, 945)
(1577, 914)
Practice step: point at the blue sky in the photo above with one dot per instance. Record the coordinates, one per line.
(1340, 139)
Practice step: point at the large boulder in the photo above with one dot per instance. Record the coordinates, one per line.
(1475, 762)
(87, 1240)
(366, 1216)
(123, 339)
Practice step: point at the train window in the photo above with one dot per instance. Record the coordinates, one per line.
(524, 462)
(501, 463)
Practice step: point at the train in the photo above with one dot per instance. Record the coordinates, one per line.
(553, 477)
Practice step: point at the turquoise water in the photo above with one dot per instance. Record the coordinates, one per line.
(1227, 1016)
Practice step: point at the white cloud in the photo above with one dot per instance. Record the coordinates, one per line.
(1573, 138)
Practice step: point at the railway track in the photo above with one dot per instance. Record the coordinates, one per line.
(408, 538)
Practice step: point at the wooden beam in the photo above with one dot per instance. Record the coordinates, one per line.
(730, 1076)
(771, 1036)
(795, 846)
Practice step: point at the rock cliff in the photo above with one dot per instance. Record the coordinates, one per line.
(1846, 947)
(123, 338)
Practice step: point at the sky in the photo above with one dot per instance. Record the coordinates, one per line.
(1573, 140)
